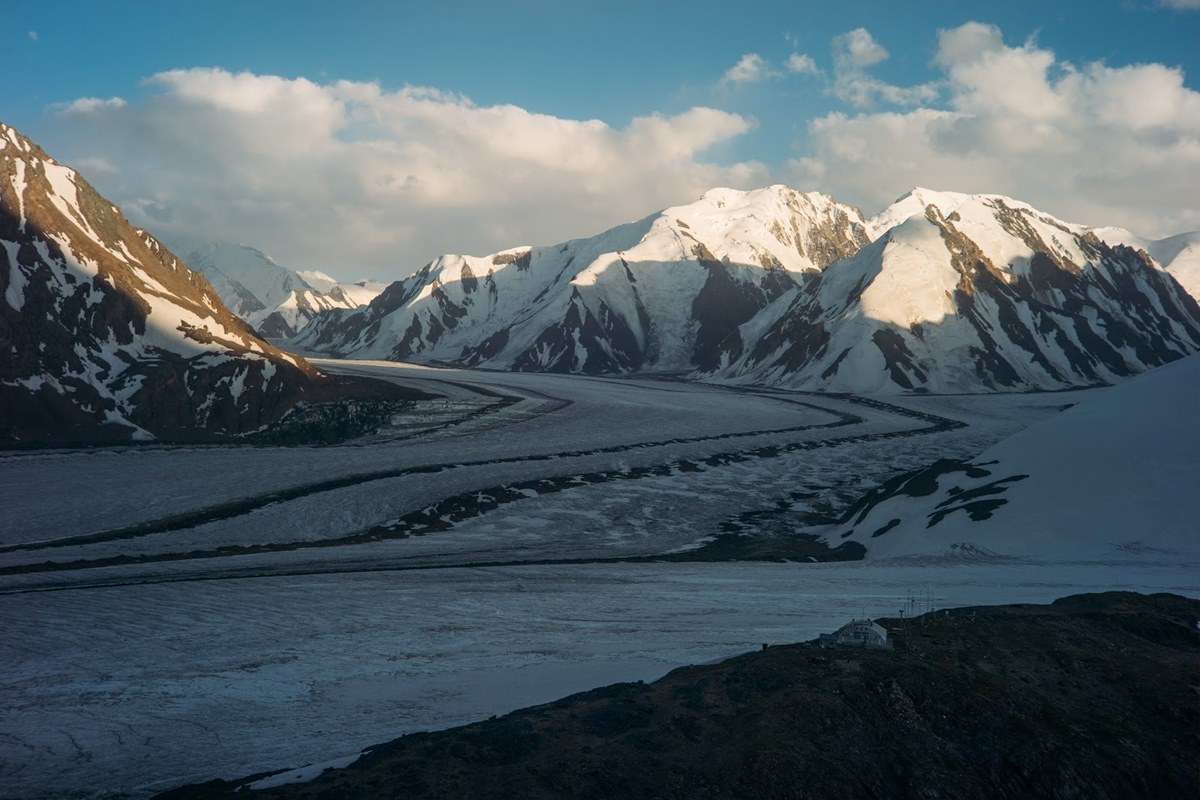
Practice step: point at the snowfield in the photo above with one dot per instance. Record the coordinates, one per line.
(1118, 472)
(179, 614)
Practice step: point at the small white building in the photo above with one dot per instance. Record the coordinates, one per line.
(857, 633)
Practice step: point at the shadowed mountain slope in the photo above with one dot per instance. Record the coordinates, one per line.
(107, 336)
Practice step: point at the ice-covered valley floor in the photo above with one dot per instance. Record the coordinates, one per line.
(177, 614)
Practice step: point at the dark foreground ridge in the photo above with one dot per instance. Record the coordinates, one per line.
(1093, 696)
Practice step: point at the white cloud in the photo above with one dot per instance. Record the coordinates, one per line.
(863, 91)
(853, 53)
(1181, 5)
(33, 36)
(857, 49)
(347, 175)
(1093, 144)
(967, 43)
(802, 64)
(89, 105)
(750, 68)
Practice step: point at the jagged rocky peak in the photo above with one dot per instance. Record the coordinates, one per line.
(108, 335)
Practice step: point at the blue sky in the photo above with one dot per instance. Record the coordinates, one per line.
(611, 61)
(614, 62)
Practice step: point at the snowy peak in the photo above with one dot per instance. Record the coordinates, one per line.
(918, 199)
(275, 300)
(318, 280)
(913, 203)
(776, 226)
(111, 335)
(248, 279)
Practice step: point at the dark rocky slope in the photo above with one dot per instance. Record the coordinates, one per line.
(1093, 696)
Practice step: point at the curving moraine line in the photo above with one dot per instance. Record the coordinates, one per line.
(245, 505)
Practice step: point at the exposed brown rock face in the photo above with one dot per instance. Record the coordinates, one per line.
(838, 235)
(107, 336)
(520, 259)
(1093, 696)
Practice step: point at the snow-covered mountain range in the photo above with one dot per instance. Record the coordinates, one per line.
(106, 335)
(940, 292)
(663, 293)
(275, 300)
(1112, 477)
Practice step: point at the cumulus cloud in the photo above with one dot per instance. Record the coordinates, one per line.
(89, 105)
(1094, 143)
(857, 49)
(802, 64)
(750, 68)
(351, 176)
(1181, 5)
(753, 68)
(854, 52)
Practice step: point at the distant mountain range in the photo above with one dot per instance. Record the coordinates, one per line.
(274, 299)
(107, 336)
(941, 292)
